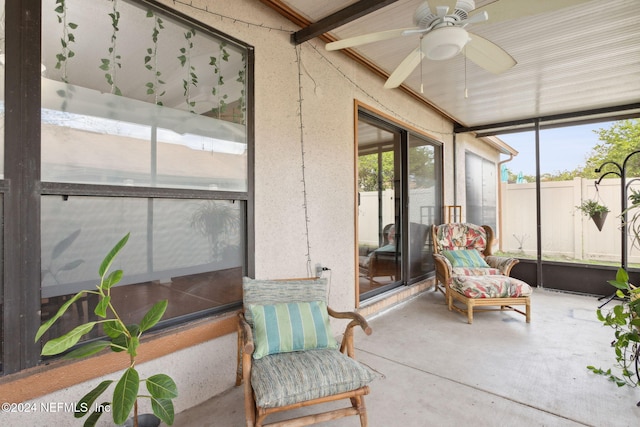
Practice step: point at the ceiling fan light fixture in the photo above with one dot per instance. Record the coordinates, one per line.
(444, 43)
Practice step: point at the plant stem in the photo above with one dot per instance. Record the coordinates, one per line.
(135, 413)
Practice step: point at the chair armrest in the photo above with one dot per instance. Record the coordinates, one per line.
(245, 350)
(356, 319)
(245, 335)
(347, 339)
(504, 264)
(444, 269)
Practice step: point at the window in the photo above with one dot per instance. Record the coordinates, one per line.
(144, 128)
(394, 241)
(481, 183)
(569, 157)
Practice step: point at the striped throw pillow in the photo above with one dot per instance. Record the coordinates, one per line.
(465, 258)
(287, 327)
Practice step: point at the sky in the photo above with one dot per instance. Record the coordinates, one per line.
(560, 149)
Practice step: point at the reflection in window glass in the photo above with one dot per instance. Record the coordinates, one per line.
(480, 190)
(189, 252)
(133, 96)
(153, 103)
(424, 203)
(378, 234)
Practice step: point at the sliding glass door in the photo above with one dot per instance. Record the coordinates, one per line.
(399, 197)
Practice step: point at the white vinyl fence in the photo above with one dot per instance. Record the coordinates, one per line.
(566, 232)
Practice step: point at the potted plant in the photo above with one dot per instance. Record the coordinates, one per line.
(624, 318)
(119, 338)
(594, 210)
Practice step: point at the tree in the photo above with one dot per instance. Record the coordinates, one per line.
(421, 169)
(368, 171)
(421, 166)
(621, 139)
(617, 142)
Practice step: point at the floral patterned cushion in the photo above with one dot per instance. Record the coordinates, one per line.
(490, 286)
(461, 236)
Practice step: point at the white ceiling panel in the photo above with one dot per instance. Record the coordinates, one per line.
(581, 57)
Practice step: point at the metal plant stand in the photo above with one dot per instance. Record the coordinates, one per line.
(620, 171)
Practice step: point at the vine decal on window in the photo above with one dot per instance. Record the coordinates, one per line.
(111, 64)
(151, 60)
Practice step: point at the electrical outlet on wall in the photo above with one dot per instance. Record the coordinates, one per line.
(318, 270)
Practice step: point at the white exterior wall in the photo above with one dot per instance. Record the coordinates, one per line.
(330, 84)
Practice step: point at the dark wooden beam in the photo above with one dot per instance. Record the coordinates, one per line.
(341, 17)
(21, 202)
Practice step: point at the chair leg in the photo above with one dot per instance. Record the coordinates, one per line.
(358, 403)
(469, 313)
(528, 311)
(239, 362)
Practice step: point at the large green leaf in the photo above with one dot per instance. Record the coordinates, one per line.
(101, 307)
(622, 279)
(119, 343)
(84, 404)
(46, 325)
(106, 263)
(124, 341)
(132, 347)
(162, 386)
(618, 284)
(163, 409)
(88, 349)
(134, 330)
(112, 328)
(92, 419)
(153, 315)
(68, 340)
(113, 278)
(622, 275)
(124, 395)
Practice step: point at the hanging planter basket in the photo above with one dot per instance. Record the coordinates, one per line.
(598, 218)
(595, 211)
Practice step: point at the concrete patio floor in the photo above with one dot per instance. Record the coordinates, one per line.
(434, 369)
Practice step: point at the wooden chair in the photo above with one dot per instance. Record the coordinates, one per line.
(381, 262)
(471, 275)
(278, 375)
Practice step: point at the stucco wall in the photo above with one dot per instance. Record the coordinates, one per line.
(330, 83)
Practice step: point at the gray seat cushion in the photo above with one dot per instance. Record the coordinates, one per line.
(287, 378)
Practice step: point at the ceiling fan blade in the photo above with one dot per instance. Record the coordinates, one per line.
(367, 38)
(405, 68)
(488, 55)
(513, 9)
(476, 19)
(442, 11)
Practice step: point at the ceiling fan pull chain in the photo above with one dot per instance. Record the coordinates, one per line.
(466, 92)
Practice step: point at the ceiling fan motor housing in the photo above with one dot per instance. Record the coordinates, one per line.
(425, 18)
(444, 43)
(463, 7)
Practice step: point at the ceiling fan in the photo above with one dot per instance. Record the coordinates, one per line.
(443, 33)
